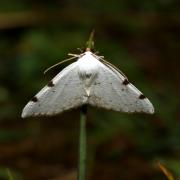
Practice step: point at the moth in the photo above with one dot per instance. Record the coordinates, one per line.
(89, 80)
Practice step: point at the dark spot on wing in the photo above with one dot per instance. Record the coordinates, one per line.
(50, 84)
(125, 82)
(142, 96)
(97, 83)
(34, 99)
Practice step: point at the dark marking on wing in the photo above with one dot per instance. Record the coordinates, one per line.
(34, 99)
(125, 82)
(97, 83)
(50, 84)
(142, 96)
(88, 75)
(85, 75)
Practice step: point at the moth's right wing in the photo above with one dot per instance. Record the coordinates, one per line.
(112, 90)
(64, 92)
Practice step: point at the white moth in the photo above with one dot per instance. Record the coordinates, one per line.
(90, 80)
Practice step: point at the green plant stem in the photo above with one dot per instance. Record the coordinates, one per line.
(90, 42)
(82, 144)
(10, 177)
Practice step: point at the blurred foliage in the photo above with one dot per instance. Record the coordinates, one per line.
(166, 172)
(140, 37)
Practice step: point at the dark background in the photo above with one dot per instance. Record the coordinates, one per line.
(140, 37)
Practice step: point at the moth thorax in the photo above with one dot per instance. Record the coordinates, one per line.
(87, 78)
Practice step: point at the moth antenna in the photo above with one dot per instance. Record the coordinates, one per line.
(80, 49)
(96, 52)
(74, 55)
(51, 67)
(111, 65)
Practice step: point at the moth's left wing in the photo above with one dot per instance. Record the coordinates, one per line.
(64, 92)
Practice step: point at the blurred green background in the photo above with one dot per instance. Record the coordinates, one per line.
(140, 37)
